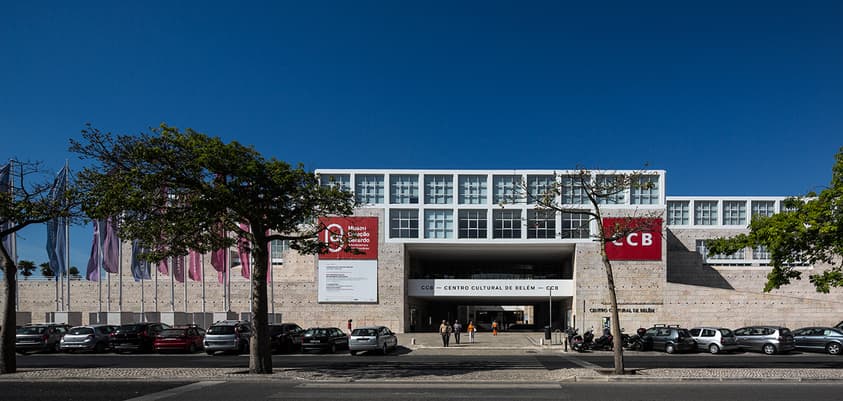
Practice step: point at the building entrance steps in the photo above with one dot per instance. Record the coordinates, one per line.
(482, 340)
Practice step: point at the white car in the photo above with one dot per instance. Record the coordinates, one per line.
(715, 339)
(373, 338)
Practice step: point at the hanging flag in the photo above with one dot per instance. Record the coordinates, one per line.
(244, 252)
(6, 187)
(218, 260)
(93, 272)
(178, 268)
(110, 246)
(140, 267)
(194, 270)
(163, 268)
(56, 227)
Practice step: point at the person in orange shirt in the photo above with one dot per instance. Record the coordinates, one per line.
(471, 329)
(494, 327)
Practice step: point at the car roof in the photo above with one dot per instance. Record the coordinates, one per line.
(230, 322)
(370, 327)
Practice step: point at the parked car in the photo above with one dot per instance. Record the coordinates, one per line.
(137, 337)
(827, 339)
(285, 337)
(714, 339)
(374, 338)
(39, 337)
(95, 337)
(767, 339)
(188, 339)
(324, 339)
(668, 338)
(228, 336)
(839, 326)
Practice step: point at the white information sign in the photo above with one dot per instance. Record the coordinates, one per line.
(348, 281)
(490, 288)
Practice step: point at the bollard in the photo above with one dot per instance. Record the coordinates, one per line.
(413, 341)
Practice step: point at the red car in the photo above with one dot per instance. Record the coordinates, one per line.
(187, 339)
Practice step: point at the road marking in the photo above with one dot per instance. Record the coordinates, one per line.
(579, 362)
(176, 391)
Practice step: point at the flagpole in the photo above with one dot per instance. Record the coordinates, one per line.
(100, 235)
(120, 275)
(227, 285)
(203, 290)
(67, 240)
(143, 314)
(184, 278)
(271, 283)
(172, 285)
(14, 239)
(107, 288)
(155, 298)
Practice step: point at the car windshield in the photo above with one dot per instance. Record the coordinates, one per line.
(726, 332)
(365, 332)
(317, 333)
(81, 331)
(173, 332)
(131, 328)
(221, 330)
(31, 330)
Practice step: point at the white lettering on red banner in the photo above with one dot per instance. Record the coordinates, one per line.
(644, 242)
(361, 233)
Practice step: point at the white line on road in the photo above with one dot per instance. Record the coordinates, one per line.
(176, 391)
(579, 362)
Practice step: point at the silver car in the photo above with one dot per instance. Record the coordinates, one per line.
(715, 339)
(826, 339)
(95, 337)
(39, 337)
(228, 336)
(373, 338)
(767, 339)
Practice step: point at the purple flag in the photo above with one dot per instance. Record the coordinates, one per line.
(178, 268)
(6, 187)
(162, 267)
(56, 234)
(140, 267)
(194, 270)
(111, 247)
(93, 273)
(244, 251)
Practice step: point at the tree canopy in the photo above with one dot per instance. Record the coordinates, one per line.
(808, 230)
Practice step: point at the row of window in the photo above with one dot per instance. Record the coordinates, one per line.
(470, 223)
(714, 212)
(757, 253)
(472, 189)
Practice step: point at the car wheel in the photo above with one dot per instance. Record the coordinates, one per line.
(353, 353)
(769, 349)
(713, 348)
(833, 348)
(191, 349)
(669, 348)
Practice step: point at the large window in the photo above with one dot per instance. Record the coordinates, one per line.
(678, 213)
(507, 223)
(369, 188)
(612, 189)
(438, 189)
(645, 190)
(705, 213)
(760, 252)
(763, 208)
(277, 248)
(404, 188)
(507, 189)
(702, 249)
(341, 181)
(540, 187)
(404, 223)
(575, 225)
(438, 223)
(473, 189)
(573, 192)
(472, 224)
(541, 224)
(734, 213)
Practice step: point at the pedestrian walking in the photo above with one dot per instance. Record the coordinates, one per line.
(445, 330)
(457, 331)
(494, 327)
(471, 329)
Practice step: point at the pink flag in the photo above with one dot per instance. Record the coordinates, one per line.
(195, 265)
(178, 268)
(162, 267)
(244, 251)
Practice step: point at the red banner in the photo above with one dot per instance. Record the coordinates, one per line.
(362, 234)
(644, 242)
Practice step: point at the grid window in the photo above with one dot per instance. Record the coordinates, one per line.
(540, 187)
(438, 223)
(341, 181)
(438, 189)
(404, 189)
(734, 213)
(573, 192)
(473, 189)
(678, 213)
(702, 249)
(705, 213)
(575, 225)
(507, 189)
(611, 189)
(760, 252)
(404, 223)
(763, 208)
(541, 224)
(507, 223)
(472, 224)
(645, 190)
(369, 188)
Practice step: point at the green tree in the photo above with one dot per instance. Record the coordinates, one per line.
(808, 230)
(599, 188)
(26, 267)
(46, 270)
(73, 271)
(22, 206)
(176, 191)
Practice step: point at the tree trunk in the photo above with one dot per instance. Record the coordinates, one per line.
(617, 341)
(260, 351)
(8, 363)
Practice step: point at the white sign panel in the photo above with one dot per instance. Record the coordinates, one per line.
(490, 288)
(348, 281)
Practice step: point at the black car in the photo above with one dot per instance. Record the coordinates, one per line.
(136, 337)
(39, 337)
(286, 337)
(668, 338)
(324, 339)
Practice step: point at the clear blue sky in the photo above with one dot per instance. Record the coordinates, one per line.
(731, 98)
